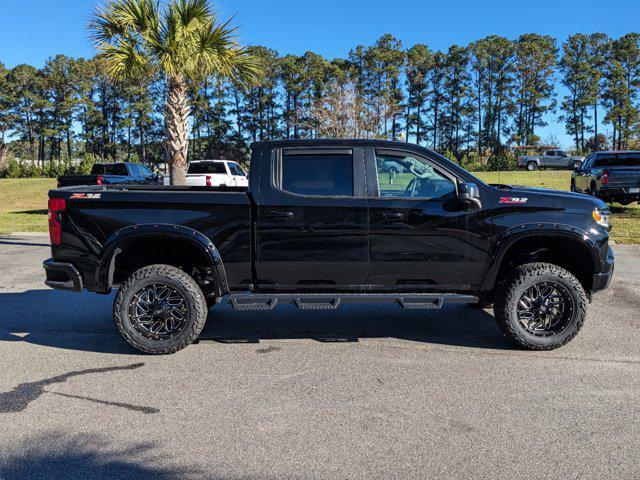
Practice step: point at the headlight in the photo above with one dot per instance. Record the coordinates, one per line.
(602, 218)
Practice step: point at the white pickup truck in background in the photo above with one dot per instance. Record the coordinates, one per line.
(216, 173)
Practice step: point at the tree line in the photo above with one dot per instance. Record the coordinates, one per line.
(470, 102)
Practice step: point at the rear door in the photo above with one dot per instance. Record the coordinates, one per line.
(549, 159)
(313, 221)
(423, 238)
(562, 159)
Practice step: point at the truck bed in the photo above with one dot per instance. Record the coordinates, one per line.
(95, 214)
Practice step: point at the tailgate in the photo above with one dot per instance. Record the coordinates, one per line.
(624, 177)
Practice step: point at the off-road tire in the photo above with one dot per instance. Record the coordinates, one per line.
(531, 166)
(176, 279)
(506, 302)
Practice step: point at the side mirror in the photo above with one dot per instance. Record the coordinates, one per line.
(469, 193)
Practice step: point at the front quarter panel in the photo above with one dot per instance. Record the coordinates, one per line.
(521, 213)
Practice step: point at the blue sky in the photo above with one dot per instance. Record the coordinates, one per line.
(33, 30)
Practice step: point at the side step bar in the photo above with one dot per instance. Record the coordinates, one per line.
(322, 301)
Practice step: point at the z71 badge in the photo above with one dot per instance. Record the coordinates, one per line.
(85, 196)
(513, 200)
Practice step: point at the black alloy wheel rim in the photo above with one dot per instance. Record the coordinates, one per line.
(545, 309)
(158, 311)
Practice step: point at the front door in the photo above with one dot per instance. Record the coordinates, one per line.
(313, 222)
(423, 238)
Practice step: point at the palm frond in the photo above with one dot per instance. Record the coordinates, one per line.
(123, 60)
(191, 13)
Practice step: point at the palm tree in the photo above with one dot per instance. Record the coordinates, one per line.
(183, 41)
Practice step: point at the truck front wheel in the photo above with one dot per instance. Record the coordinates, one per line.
(541, 306)
(160, 309)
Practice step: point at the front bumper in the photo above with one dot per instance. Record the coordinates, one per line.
(62, 276)
(602, 279)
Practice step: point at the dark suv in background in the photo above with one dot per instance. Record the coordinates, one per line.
(610, 176)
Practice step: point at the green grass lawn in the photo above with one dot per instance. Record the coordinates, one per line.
(23, 202)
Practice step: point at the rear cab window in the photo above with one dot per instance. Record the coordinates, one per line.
(203, 168)
(317, 173)
(618, 160)
(111, 169)
(97, 169)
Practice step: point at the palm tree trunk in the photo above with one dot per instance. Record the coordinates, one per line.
(177, 130)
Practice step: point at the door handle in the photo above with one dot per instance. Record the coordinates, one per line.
(279, 215)
(393, 215)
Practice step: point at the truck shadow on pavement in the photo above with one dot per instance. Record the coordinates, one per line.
(59, 455)
(83, 322)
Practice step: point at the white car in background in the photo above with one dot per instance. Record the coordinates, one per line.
(216, 173)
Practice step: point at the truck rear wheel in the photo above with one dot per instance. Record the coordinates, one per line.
(541, 306)
(531, 166)
(160, 309)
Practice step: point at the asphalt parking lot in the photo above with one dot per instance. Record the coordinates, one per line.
(373, 392)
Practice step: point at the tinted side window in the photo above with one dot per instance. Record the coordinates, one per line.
(115, 169)
(144, 171)
(236, 170)
(418, 180)
(135, 171)
(97, 169)
(586, 163)
(206, 167)
(325, 175)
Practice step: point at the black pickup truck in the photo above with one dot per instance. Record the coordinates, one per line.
(323, 223)
(611, 176)
(112, 174)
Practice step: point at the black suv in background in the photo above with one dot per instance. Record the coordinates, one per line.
(610, 176)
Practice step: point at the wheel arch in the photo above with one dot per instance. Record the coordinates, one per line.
(566, 246)
(196, 244)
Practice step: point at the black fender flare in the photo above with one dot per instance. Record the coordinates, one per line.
(112, 247)
(508, 238)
